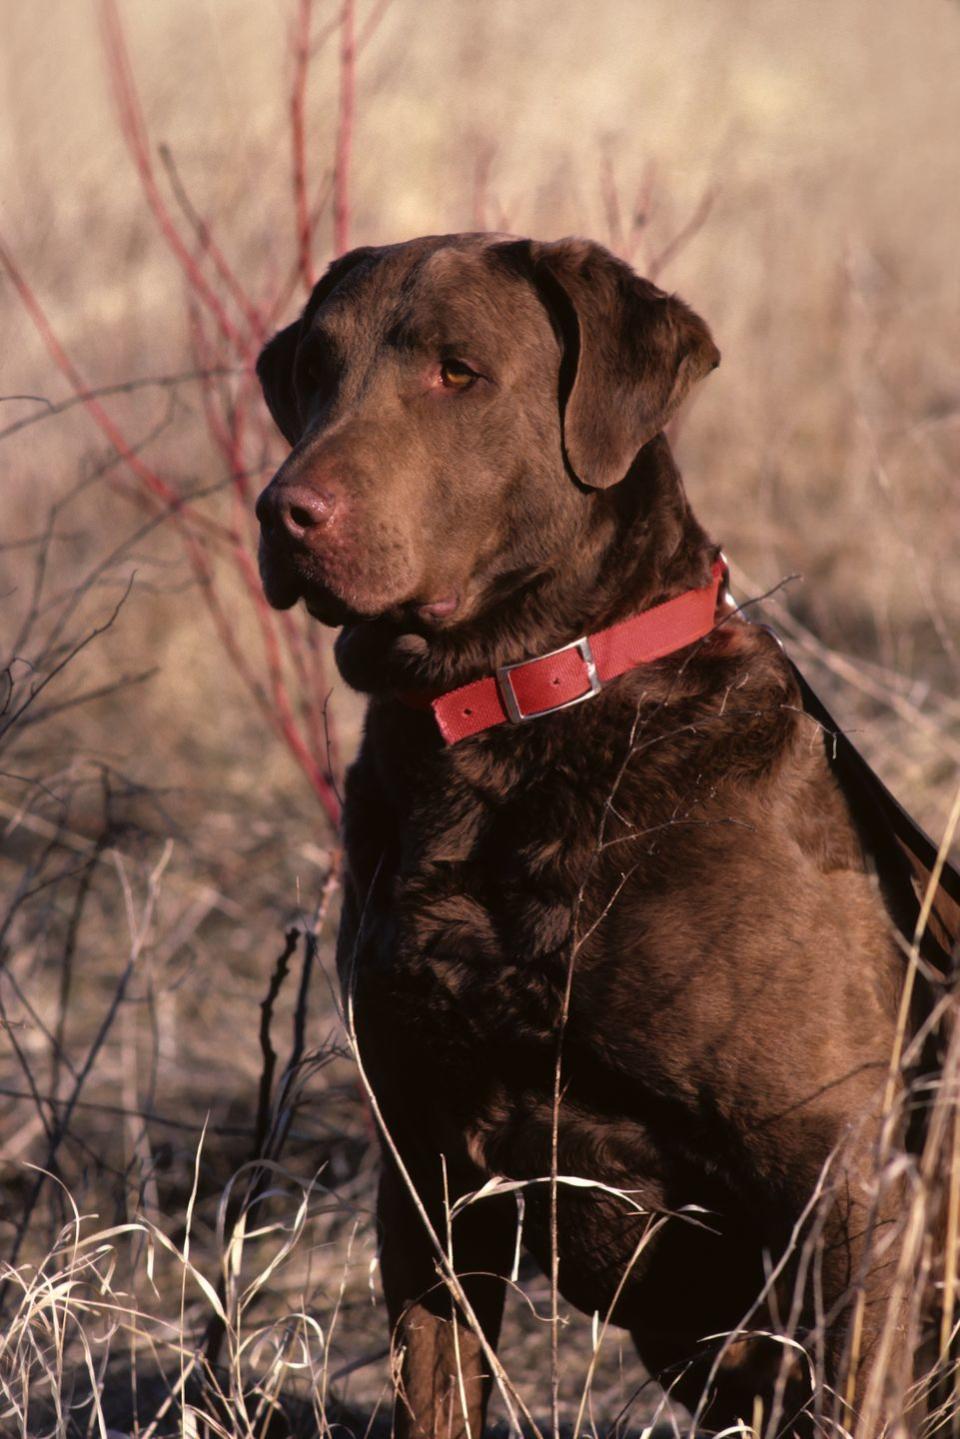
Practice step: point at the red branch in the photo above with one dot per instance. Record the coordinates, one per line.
(344, 144)
(134, 133)
(481, 186)
(610, 193)
(684, 235)
(372, 24)
(298, 92)
(209, 246)
(154, 484)
(287, 682)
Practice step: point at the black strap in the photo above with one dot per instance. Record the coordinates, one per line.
(904, 855)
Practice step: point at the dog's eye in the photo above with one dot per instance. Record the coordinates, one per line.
(455, 375)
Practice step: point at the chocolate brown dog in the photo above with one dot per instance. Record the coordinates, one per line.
(665, 885)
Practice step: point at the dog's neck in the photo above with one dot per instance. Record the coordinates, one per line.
(642, 545)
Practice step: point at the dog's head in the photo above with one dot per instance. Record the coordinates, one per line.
(456, 405)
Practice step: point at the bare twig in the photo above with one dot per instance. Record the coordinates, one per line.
(304, 221)
(345, 118)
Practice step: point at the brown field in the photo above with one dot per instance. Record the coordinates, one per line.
(791, 170)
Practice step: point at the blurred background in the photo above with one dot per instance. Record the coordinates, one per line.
(173, 177)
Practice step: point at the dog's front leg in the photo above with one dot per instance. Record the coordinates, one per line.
(443, 1376)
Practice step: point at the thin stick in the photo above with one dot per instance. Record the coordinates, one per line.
(461, 1383)
(209, 246)
(684, 235)
(554, 1205)
(511, 1398)
(950, 1247)
(134, 133)
(122, 387)
(344, 143)
(914, 957)
(87, 396)
(304, 223)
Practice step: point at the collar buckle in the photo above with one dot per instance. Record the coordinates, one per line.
(724, 594)
(509, 696)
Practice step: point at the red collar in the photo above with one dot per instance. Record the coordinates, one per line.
(577, 671)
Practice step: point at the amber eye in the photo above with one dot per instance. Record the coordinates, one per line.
(455, 375)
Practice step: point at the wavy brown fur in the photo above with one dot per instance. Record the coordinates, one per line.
(679, 840)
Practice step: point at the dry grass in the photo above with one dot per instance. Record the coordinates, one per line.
(165, 1178)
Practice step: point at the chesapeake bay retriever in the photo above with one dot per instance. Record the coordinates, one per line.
(659, 904)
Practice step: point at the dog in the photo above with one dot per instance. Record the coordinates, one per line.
(613, 910)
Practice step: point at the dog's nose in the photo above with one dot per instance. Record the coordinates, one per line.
(297, 508)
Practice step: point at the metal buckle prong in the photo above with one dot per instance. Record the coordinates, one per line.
(731, 604)
(726, 595)
(508, 694)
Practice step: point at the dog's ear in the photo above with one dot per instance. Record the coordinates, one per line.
(631, 353)
(275, 373)
(276, 365)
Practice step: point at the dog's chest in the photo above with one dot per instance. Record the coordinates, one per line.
(467, 884)
(476, 909)
(476, 891)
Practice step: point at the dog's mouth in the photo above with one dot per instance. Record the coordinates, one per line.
(352, 598)
(423, 616)
(439, 611)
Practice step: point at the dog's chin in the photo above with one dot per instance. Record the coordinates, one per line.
(330, 610)
(284, 585)
(335, 610)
